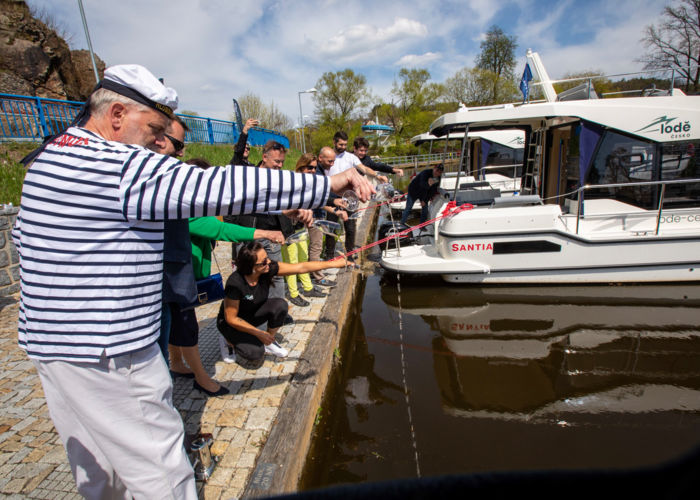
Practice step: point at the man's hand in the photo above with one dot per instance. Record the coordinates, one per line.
(273, 236)
(398, 171)
(250, 123)
(342, 215)
(382, 178)
(303, 215)
(351, 179)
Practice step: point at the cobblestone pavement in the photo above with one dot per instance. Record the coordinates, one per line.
(33, 462)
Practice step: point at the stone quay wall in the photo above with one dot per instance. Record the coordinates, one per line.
(9, 259)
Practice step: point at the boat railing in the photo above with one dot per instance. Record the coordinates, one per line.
(580, 198)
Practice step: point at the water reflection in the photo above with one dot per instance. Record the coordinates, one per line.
(561, 353)
(506, 378)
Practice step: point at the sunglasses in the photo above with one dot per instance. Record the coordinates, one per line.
(178, 145)
(263, 263)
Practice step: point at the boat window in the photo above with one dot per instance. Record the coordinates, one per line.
(678, 161)
(623, 159)
(510, 159)
(525, 246)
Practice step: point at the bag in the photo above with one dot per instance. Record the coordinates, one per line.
(209, 289)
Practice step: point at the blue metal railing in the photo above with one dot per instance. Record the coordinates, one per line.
(27, 118)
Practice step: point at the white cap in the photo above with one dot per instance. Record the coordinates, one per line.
(138, 78)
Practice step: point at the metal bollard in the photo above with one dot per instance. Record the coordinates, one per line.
(200, 454)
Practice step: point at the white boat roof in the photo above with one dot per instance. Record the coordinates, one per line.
(679, 115)
(511, 138)
(658, 118)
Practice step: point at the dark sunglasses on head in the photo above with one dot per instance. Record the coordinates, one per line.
(178, 145)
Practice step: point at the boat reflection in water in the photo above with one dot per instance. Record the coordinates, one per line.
(511, 379)
(563, 355)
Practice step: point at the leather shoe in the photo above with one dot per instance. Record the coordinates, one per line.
(222, 390)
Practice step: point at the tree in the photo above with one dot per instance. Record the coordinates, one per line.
(339, 96)
(675, 42)
(473, 87)
(413, 109)
(498, 56)
(252, 106)
(413, 90)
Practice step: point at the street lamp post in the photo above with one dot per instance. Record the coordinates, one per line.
(301, 116)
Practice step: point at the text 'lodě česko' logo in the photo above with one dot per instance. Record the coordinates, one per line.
(668, 127)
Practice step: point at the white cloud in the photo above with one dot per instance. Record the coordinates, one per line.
(359, 40)
(213, 50)
(413, 60)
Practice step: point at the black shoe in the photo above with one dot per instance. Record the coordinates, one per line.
(222, 390)
(175, 375)
(288, 320)
(314, 292)
(325, 282)
(298, 301)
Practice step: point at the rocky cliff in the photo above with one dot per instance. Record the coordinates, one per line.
(35, 60)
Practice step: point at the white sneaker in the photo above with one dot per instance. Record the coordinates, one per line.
(227, 353)
(277, 350)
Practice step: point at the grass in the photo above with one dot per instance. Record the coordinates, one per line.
(12, 171)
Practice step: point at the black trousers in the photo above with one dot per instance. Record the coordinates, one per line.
(248, 346)
(350, 230)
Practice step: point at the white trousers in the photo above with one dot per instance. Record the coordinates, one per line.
(117, 422)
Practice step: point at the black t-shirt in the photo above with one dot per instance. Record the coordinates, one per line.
(250, 298)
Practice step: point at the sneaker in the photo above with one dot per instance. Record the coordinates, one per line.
(288, 320)
(276, 350)
(325, 282)
(227, 353)
(314, 292)
(298, 301)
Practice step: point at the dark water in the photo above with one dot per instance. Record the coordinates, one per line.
(506, 378)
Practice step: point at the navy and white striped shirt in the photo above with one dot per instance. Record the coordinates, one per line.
(90, 237)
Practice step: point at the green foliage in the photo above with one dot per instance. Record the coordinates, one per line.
(12, 171)
(339, 96)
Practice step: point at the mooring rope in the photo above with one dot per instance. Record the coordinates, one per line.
(450, 209)
(406, 394)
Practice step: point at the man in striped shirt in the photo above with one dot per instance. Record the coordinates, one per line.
(90, 238)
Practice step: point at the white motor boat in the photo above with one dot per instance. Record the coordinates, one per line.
(610, 193)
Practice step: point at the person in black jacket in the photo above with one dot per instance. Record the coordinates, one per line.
(360, 148)
(273, 155)
(420, 189)
(242, 148)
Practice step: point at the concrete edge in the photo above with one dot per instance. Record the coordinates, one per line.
(281, 462)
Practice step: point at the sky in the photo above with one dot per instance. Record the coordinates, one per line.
(211, 51)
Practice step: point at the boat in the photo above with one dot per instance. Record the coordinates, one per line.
(610, 192)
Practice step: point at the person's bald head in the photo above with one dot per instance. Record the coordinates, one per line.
(326, 157)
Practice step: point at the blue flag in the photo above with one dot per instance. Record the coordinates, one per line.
(525, 82)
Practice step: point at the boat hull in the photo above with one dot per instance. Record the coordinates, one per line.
(539, 245)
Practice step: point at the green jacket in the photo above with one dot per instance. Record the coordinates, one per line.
(204, 230)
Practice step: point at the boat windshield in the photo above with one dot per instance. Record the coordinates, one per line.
(622, 159)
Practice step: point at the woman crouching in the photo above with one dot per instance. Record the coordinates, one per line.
(247, 304)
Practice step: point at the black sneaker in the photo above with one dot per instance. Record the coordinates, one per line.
(298, 301)
(325, 282)
(314, 292)
(288, 320)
